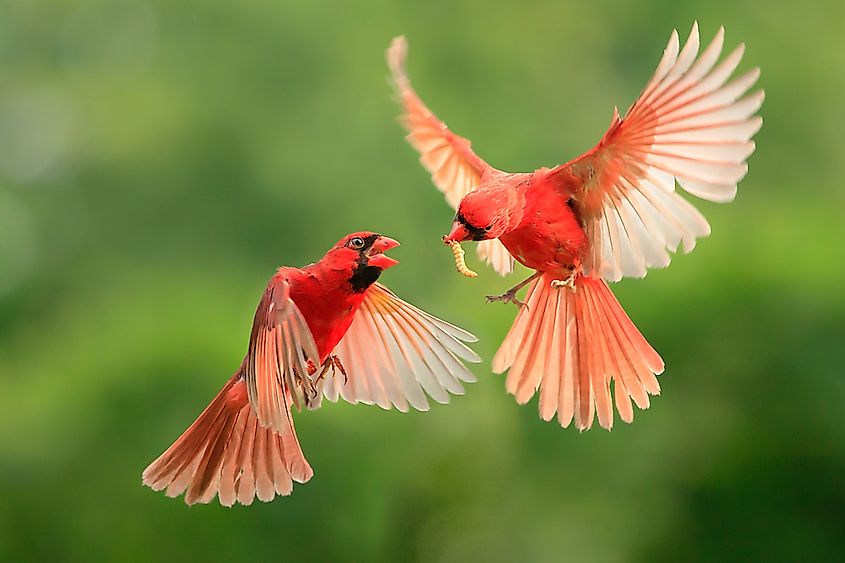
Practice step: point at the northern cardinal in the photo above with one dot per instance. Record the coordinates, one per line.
(328, 328)
(612, 212)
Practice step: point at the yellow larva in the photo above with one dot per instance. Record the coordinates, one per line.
(459, 259)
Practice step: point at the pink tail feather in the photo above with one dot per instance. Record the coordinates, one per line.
(571, 345)
(226, 453)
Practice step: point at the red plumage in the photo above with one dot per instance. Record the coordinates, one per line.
(328, 328)
(610, 213)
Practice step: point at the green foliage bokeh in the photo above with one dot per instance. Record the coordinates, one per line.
(159, 159)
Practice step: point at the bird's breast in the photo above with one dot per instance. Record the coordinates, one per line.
(329, 313)
(549, 237)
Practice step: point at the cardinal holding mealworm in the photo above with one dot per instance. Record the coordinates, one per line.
(611, 213)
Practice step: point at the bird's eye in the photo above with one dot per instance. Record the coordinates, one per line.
(356, 243)
(488, 228)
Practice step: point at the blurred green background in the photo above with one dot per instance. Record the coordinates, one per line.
(158, 160)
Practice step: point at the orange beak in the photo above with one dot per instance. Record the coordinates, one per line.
(459, 233)
(376, 252)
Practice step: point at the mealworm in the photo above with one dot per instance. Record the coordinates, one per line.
(459, 258)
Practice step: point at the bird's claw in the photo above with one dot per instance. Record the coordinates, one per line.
(336, 363)
(332, 362)
(557, 284)
(312, 397)
(309, 389)
(568, 282)
(506, 297)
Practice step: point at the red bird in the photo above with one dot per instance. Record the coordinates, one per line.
(610, 213)
(380, 350)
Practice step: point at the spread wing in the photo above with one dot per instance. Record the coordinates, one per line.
(276, 364)
(690, 126)
(455, 169)
(395, 354)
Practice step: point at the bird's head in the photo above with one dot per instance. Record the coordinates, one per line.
(482, 215)
(361, 256)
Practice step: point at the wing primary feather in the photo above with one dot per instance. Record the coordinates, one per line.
(691, 126)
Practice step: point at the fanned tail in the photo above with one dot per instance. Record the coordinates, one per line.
(226, 453)
(571, 345)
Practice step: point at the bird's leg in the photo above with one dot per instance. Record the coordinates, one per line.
(510, 295)
(324, 369)
(309, 386)
(569, 281)
(332, 362)
(336, 363)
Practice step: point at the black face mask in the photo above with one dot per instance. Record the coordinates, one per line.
(476, 233)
